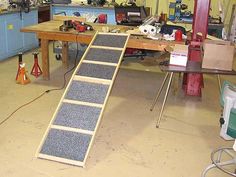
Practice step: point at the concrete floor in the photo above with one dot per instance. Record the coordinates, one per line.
(127, 142)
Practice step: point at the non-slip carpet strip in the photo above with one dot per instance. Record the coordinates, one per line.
(71, 132)
(76, 116)
(97, 71)
(66, 144)
(110, 40)
(103, 55)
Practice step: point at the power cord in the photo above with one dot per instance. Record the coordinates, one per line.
(47, 91)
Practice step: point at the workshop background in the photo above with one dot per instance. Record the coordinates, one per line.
(127, 142)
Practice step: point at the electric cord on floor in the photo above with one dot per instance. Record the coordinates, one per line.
(47, 91)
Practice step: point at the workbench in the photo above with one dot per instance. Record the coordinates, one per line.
(50, 31)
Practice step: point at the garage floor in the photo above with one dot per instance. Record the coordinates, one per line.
(127, 143)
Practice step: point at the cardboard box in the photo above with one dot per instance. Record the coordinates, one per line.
(218, 55)
(179, 55)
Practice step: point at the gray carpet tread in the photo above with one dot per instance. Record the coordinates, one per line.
(87, 92)
(108, 40)
(66, 144)
(96, 70)
(103, 55)
(77, 116)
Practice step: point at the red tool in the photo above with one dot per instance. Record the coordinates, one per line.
(178, 35)
(194, 82)
(81, 27)
(36, 70)
(102, 18)
(20, 61)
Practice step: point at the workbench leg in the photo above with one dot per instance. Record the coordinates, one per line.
(45, 58)
(219, 82)
(65, 54)
(164, 101)
(159, 92)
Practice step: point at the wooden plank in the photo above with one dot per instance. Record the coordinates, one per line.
(69, 37)
(139, 43)
(82, 103)
(105, 47)
(45, 58)
(99, 63)
(77, 130)
(113, 34)
(58, 159)
(92, 80)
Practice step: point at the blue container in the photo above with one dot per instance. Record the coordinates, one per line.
(172, 11)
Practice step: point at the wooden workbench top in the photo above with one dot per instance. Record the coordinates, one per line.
(50, 30)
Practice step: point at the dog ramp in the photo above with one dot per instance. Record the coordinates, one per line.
(71, 132)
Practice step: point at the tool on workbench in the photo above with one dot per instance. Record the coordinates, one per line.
(149, 26)
(178, 12)
(102, 18)
(81, 26)
(178, 35)
(22, 78)
(21, 5)
(77, 25)
(19, 62)
(36, 70)
(67, 24)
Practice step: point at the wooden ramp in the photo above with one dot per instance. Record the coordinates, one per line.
(71, 132)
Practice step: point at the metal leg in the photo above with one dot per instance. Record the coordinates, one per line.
(221, 164)
(164, 101)
(176, 83)
(207, 169)
(219, 82)
(159, 91)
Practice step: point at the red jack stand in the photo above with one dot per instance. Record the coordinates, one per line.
(36, 70)
(19, 63)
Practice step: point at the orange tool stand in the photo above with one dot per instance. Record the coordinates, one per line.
(20, 61)
(22, 78)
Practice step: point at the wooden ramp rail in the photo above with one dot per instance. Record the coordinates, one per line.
(70, 134)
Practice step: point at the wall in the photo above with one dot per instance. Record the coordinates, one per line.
(226, 5)
(164, 6)
(228, 13)
(4, 4)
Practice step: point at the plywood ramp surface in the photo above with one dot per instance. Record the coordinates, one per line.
(71, 132)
